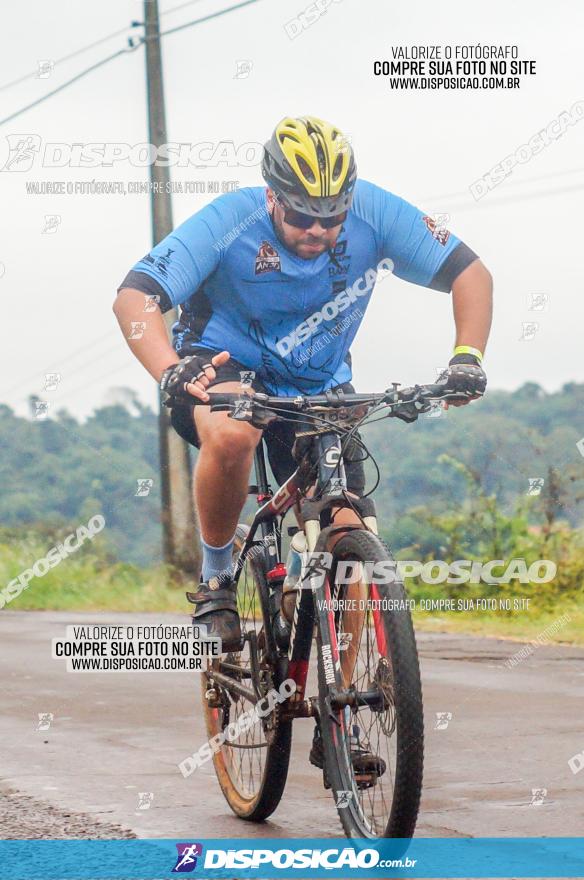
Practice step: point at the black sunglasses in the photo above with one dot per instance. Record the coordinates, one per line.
(305, 221)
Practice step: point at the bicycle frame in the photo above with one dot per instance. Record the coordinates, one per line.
(329, 479)
(278, 652)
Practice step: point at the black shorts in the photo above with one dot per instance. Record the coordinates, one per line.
(278, 437)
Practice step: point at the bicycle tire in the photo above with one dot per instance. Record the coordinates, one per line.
(257, 805)
(402, 659)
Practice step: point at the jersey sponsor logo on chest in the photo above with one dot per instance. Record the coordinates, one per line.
(267, 259)
(339, 260)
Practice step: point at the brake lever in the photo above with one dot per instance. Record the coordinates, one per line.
(246, 409)
(406, 414)
(408, 410)
(261, 417)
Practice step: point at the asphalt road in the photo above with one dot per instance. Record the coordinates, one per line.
(113, 736)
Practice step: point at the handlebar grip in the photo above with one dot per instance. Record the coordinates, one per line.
(434, 390)
(216, 400)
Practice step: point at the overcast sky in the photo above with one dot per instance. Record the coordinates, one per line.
(426, 146)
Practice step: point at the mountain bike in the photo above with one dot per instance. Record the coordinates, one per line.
(369, 702)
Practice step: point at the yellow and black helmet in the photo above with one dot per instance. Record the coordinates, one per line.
(309, 163)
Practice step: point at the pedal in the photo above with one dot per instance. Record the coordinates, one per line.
(367, 769)
(213, 698)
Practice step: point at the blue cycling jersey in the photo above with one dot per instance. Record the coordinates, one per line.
(290, 320)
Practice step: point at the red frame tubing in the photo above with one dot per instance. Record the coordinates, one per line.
(378, 622)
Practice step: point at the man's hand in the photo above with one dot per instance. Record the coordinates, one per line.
(464, 375)
(189, 378)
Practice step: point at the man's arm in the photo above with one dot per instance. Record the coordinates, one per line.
(151, 345)
(173, 270)
(472, 303)
(152, 348)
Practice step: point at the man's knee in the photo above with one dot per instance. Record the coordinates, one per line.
(233, 442)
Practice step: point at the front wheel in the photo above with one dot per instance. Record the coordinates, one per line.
(252, 762)
(374, 744)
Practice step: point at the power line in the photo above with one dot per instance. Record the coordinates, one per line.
(131, 48)
(181, 27)
(59, 364)
(69, 82)
(119, 368)
(180, 6)
(34, 73)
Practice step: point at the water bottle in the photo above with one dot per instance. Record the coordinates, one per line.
(294, 566)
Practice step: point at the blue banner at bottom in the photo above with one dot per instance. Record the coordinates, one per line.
(510, 857)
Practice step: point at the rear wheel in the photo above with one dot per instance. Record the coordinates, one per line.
(374, 751)
(252, 763)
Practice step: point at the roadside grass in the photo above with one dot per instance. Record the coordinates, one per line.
(523, 625)
(87, 582)
(90, 581)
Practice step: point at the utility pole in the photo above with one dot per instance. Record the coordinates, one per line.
(179, 528)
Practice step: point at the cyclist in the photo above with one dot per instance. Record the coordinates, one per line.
(277, 281)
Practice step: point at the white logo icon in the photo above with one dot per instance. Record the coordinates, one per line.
(22, 149)
(538, 302)
(41, 410)
(576, 763)
(535, 485)
(144, 487)
(45, 68)
(436, 410)
(51, 381)
(343, 798)
(137, 329)
(345, 640)
(443, 719)
(145, 799)
(529, 330)
(45, 719)
(52, 223)
(151, 302)
(243, 69)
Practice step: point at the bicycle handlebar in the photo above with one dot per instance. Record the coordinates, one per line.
(406, 403)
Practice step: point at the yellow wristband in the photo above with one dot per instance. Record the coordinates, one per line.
(468, 349)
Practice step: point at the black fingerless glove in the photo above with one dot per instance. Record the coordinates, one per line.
(176, 377)
(464, 377)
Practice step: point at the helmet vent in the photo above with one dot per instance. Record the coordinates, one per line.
(338, 167)
(306, 169)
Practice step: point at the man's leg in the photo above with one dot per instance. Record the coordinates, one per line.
(221, 479)
(226, 449)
